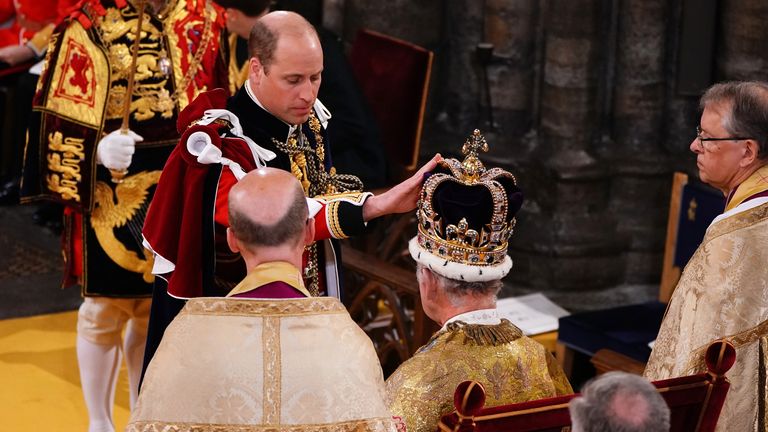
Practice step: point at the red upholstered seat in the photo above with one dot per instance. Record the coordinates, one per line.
(394, 77)
(695, 402)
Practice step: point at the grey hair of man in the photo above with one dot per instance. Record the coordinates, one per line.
(748, 116)
(262, 42)
(456, 289)
(289, 229)
(619, 402)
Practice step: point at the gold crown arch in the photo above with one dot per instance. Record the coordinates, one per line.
(458, 242)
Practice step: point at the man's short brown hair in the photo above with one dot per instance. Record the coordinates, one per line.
(748, 116)
(262, 42)
(287, 229)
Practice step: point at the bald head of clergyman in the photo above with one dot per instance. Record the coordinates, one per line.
(268, 218)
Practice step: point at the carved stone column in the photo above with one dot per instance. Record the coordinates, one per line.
(640, 187)
(743, 41)
(512, 27)
(567, 240)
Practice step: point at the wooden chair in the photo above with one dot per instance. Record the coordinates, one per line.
(393, 75)
(621, 335)
(694, 401)
(378, 276)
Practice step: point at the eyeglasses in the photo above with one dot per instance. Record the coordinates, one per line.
(701, 140)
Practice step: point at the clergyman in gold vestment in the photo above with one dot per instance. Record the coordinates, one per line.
(258, 361)
(466, 215)
(723, 291)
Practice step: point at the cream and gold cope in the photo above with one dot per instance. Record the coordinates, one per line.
(263, 365)
(723, 293)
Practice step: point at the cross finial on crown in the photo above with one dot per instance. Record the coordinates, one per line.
(472, 166)
(474, 144)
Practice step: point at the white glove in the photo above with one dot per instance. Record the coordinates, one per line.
(115, 150)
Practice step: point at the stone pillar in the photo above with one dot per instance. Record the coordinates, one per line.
(512, 27)
(743, 41)
(457, 88)
(567, 242)
(640, 188)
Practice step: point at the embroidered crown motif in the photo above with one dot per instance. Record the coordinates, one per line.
(479, 197)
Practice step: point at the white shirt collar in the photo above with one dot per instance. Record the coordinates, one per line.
(480, 316)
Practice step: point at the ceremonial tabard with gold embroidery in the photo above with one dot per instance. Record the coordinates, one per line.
(80, 98)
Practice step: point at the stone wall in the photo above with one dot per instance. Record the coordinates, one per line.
(583, 108)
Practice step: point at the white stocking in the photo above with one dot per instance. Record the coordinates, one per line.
(135, 339)
(99, 366)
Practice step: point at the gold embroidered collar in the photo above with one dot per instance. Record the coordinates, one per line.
(484, 334)
(756, 183)
(276, 271)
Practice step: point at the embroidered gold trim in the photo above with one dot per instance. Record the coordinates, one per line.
(64, 157)
(736, 222)
(484, 334)
(738, 340)
(126, 205)
(183, 81)
(757, 182)
(235, 306)
(78, 88)
(332, 213)
(373, 425)
(357, 198)
(272, 372)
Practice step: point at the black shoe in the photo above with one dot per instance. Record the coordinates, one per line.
(9, 192)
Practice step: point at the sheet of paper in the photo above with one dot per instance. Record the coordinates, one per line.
(532, 313)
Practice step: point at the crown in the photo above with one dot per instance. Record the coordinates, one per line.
(466, 217)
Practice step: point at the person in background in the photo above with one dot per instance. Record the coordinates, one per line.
(353, 134)
(28, 26)
(723, 290)
(98, 149)
(286, 128)
(249, 362)
(619, 402)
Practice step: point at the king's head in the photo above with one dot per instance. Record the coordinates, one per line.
(466, 215)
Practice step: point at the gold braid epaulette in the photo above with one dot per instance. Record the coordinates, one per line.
(485, 334)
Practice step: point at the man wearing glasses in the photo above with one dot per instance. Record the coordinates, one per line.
(723, 291)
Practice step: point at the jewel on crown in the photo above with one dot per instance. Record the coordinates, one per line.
(458, 241)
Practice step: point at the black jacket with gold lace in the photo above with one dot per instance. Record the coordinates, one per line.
(80, 98)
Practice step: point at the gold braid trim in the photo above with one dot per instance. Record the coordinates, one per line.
(308, 164)
(374, 424)
(332, 213)
(482, 334)
(697, 362)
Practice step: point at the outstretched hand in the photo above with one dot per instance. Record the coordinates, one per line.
(16, 54)
(402, 197)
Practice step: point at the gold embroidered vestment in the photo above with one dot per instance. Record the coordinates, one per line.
(517, 370)
(723, 293)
